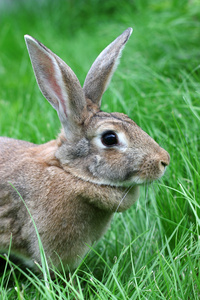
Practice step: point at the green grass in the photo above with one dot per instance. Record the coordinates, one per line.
(152, 251)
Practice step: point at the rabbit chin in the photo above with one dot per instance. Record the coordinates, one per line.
(135, 180)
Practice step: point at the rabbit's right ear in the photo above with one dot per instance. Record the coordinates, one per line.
(103, 68)
(59, 85)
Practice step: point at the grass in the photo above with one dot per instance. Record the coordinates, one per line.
(152, 251)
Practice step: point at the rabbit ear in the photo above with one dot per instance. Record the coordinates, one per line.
(59, 85)
(103, 68)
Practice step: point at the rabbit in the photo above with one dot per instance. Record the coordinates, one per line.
(74, 184)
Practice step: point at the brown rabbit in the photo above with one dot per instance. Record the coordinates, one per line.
(74, 184)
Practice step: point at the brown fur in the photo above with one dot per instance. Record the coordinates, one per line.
(74, 184)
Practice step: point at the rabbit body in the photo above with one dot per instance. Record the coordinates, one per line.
(69, 213)
(74, 184)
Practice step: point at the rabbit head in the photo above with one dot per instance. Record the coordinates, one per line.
(103, 148)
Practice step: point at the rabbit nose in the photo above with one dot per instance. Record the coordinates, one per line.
(164, 159)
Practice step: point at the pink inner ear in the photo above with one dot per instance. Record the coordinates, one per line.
(54, 86)
(58, 91)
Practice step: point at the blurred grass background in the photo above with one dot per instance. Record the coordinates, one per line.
(152, 251)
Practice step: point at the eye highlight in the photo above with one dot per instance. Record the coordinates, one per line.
(109, 138)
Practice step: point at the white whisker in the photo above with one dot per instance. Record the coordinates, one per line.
(126, 192)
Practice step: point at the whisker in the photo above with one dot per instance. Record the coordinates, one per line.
(126, 192)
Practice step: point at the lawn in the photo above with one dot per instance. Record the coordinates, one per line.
(151, 251)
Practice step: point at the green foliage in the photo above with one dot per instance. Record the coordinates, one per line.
(152, 251)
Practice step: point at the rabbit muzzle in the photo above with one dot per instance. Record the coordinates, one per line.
(153, 166)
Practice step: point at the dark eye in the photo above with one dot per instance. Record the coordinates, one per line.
(109, 138)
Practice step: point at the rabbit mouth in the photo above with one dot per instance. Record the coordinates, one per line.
(131, 180)
(134, 177)
(138, 178)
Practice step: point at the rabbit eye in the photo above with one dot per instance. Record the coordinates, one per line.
(109, 138)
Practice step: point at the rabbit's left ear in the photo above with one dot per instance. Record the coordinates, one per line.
(59, 85)
(103, 68)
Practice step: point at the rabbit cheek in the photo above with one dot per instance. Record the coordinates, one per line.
(108, 169)
(104, 171)
(95, 166)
